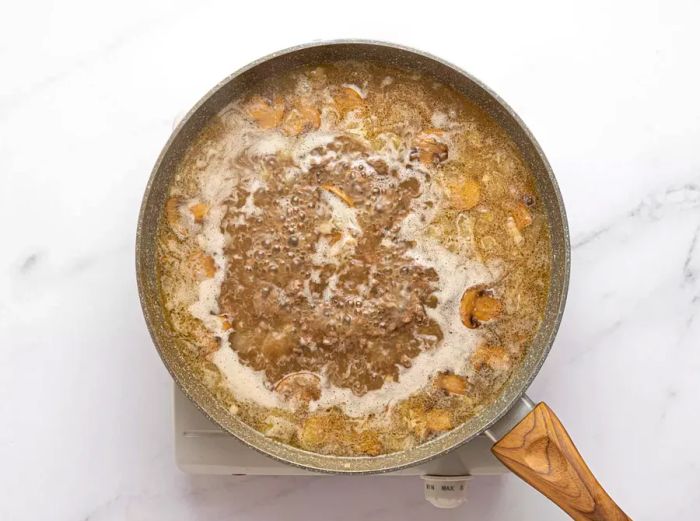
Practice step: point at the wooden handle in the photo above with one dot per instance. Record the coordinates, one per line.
(540, 451)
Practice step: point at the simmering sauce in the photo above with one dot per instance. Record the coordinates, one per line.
(354, 257)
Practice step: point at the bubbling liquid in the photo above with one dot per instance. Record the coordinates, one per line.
(355, 258)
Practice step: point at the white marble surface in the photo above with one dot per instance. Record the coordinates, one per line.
(88, 95)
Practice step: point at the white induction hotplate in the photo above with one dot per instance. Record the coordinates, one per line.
(203, 448)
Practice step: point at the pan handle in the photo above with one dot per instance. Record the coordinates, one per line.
(531, 441)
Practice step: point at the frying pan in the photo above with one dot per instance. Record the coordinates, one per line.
(528, 439)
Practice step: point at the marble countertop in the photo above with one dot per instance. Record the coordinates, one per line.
(88, 97)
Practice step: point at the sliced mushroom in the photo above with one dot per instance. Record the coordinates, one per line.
(204, 264)
(514, 231)
(478, 305)
(380, 166)
(347, 99)
(301, 387)
(335, 236)
(521, 216)
(486, 308)
(173, 216)
(224, 323)
(266, 113)
(199, 212)
(451, 383)
(465, 195)
(302, 118)
(493, 357)
(428, 150)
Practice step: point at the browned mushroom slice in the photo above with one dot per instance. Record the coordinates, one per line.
(428, 150)
(486, 308)
(478, 305)
(379, 165)
(335, 236)
(451, 383)
(266, 113)
(347, 99)
(224, 322)
(302, 118)
(493, 357)
(521, 216)
(199, 211)
(299, 387)
(204, 264)
(466, 307)
(465, 195)
(514, 232)
(173, 216)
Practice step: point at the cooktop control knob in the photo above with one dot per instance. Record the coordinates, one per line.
(445, 491)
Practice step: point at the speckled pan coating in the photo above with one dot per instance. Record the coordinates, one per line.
(390, 54)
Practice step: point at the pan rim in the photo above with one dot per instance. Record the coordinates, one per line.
(356, 464)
